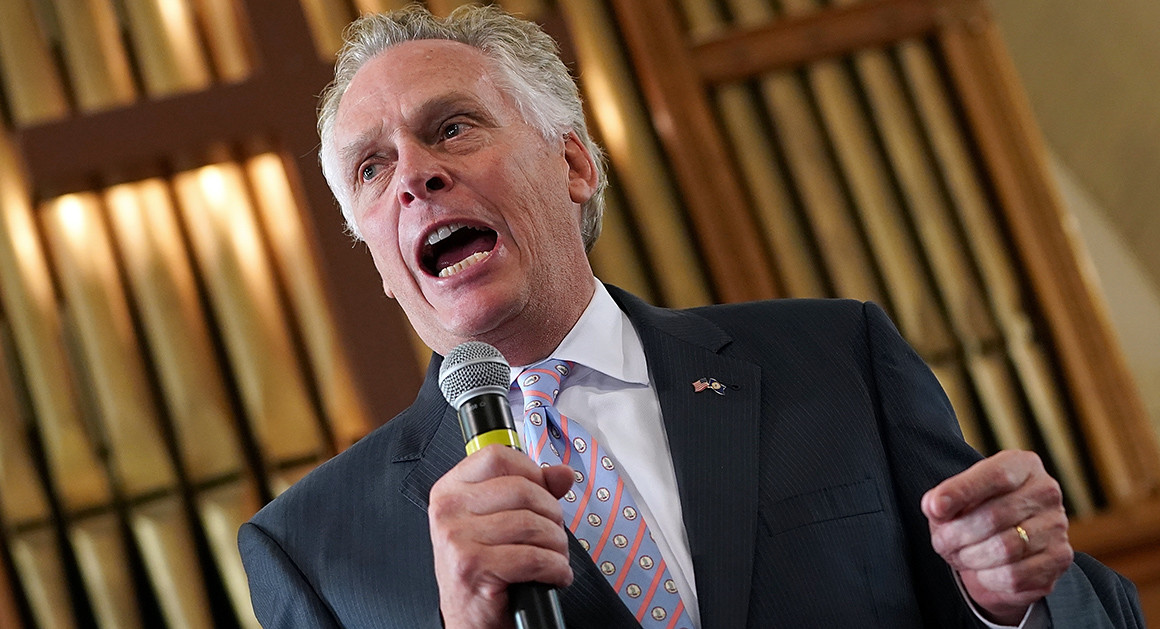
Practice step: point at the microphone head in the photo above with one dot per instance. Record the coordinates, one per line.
(473, 368)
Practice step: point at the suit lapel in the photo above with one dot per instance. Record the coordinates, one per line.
(429, 439)
(713, 440)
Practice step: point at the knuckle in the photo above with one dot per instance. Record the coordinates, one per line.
(491, 460)
(1051, 493)
(526, 525)
(1020, 580)
(939, 540)
(442, 506)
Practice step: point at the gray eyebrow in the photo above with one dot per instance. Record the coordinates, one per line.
(433, 108)
(354, 149)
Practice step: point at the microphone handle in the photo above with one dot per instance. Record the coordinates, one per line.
(535, 606)
(486, 419)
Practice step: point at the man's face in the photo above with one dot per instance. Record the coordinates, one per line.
(471, 216)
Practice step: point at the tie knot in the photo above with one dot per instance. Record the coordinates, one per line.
(541, 382)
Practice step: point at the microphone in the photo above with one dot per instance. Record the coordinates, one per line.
(474, 378)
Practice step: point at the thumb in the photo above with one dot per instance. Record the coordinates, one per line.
(558, 479)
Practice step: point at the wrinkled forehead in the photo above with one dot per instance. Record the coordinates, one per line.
(407, 75)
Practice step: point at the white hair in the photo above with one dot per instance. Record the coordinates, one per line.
(528, 68)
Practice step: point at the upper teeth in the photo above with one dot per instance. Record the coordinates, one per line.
(443, 232)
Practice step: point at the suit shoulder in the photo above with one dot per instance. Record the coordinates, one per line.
(790, 316)
(352, 475)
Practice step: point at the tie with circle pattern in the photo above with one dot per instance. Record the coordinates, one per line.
(599, 509)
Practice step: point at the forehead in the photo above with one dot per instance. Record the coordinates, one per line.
(405, 77)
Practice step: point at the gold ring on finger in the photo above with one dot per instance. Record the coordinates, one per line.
(1023, 536)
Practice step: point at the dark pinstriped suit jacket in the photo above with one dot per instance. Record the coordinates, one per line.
(800, 489)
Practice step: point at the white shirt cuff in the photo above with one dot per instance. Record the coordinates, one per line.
(1035, 618)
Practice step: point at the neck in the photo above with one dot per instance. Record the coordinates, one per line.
(524, 344)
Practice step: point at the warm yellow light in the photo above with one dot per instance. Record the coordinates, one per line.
(183, 42)
(22, 232)
(71, 214)
(604, 102)
(213, 186)
(277, 202)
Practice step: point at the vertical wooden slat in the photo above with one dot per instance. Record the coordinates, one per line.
(166, 46)
(95, 303)
(326, 19)
(9, 612)
(167, 549)
(229, 254)
(28, 298)
(100, 551)
(144, 221)
(913, 303)
(294, 254)
(31, 79)
(755, 156)
(1112, 416)
(735, 257)
(223, 510)
(98, 65)
(845, 254)
(956, 280)
(130, 423)
(954, 383)
(25, 514)
(77, 476)
(615, 257)
(227, 38)
(788, 243)
(609, 89)
(23, 499)
(37, 559)
(989, 252)
(815, 177)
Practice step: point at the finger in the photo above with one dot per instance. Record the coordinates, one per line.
(1039, 495)
(521, 528)
(520, 563)
(999, 474)
(1021, 583)
(489, 569)
(559, 479)
(491, 496)
(1008, 546)
(495, 460)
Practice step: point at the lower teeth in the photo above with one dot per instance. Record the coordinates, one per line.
(464, 263)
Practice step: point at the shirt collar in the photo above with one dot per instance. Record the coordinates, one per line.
(603, 340)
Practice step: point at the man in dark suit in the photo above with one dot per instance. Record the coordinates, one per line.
(794, 461)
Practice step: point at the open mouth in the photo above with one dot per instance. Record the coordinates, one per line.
(452, 248)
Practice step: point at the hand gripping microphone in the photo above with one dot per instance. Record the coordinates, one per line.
(474, 378)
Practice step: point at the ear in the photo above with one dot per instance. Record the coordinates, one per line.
(387, 290)
(582, 177)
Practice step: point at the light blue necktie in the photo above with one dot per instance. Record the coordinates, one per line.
(599, 509)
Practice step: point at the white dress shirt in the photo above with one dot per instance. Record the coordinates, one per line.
(610, 395)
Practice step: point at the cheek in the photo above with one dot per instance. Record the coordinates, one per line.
(383, 244)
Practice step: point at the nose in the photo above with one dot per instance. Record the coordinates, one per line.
(420, 173)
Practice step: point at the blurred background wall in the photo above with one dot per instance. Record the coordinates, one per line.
(185, 330)
(1090, 71)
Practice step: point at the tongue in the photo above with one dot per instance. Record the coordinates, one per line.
(462, 244)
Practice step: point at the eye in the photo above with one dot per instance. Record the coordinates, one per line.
(453, 129)
(368, 171)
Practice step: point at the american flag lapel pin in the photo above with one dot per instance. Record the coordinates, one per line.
(709, 384)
